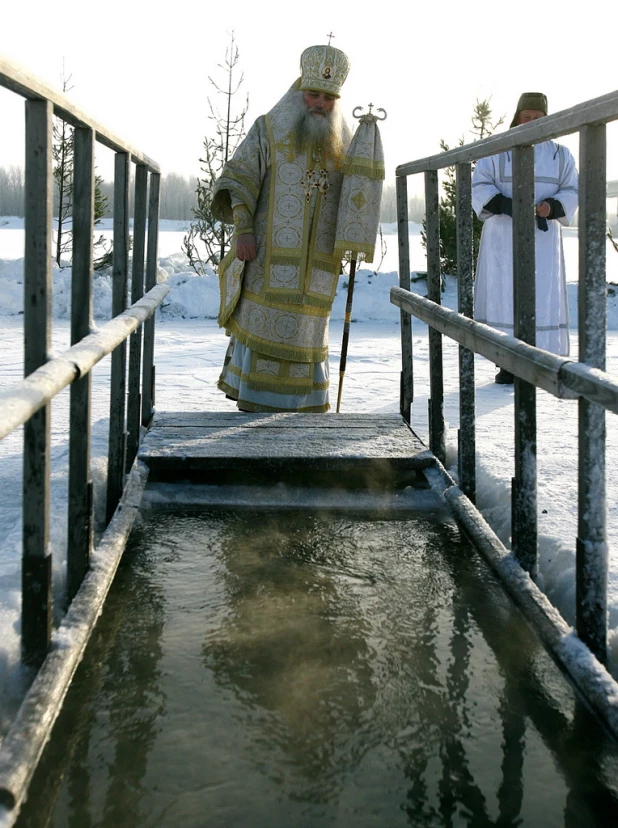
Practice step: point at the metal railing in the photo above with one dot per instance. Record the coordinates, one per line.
(28, 403)
(533, 368)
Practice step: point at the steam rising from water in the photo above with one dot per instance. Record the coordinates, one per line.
(303, 670)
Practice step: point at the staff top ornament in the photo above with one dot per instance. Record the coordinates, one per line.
(368, 117)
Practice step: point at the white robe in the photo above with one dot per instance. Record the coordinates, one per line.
(555, 177)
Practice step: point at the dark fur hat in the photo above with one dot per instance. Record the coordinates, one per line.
(530, 100)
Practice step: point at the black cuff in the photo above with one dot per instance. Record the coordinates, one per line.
(556, 210)
(500, 205)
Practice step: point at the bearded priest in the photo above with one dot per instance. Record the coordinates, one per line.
(281, 191)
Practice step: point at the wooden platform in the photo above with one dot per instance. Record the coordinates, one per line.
(345, 450)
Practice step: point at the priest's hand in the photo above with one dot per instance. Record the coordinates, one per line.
(245, 247)
(543, 209)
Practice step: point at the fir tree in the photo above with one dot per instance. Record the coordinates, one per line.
(63, 158)
(229, 131)
(482, 127)
(102, 248)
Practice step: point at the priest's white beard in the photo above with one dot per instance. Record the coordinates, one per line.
(326, 132)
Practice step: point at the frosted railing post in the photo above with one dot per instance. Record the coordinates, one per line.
(148, 378)
(137, 291)
(80, 484)
(592, 552)
(406, 391)
(36, 562)
(117, 406)
(524, 491)
(434, 292)
(465, 303)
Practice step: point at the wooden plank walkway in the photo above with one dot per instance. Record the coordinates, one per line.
(344, 450)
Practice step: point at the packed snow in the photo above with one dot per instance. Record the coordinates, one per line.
(189, 352)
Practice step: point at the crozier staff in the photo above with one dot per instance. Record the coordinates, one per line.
(281, 191)
(555, 187)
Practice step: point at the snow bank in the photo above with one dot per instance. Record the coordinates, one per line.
(197, 297)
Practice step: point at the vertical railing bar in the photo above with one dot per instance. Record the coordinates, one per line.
(137, 291)
(406, 392)
(79, 538)
(36, 555)
(592, 551)
(465, 299)
(117, 413)
(524, 489)
(148, 389)
(434, 293)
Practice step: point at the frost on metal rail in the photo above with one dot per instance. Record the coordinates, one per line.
(585, 378)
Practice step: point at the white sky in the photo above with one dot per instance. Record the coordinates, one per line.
(142, 69)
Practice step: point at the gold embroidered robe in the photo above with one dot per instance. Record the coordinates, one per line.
(279, 304)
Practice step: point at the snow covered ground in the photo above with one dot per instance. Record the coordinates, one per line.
(189, 352)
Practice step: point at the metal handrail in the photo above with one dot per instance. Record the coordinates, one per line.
(89, 571)
(131, 404)
(21, 401)
(533, 368)
(23, 83)
(562, 377)
(597, 111)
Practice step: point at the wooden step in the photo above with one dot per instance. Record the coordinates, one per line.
(345, 450)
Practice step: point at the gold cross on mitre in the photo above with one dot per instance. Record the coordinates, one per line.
(329, 36)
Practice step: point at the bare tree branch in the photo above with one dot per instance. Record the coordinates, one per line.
(229, 130)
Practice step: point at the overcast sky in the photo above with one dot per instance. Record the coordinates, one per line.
(142, 68)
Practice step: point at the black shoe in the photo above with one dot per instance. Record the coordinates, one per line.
(504, 377)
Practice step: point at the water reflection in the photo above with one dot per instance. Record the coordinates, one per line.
(255, 670)
(295, 643)
(93, 770)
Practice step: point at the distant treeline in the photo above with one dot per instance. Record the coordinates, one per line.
(11, 191)
(177, 197)
(388, 209)
(177, 194)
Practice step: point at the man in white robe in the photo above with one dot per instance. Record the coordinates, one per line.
(281, 190)
(555, 186)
